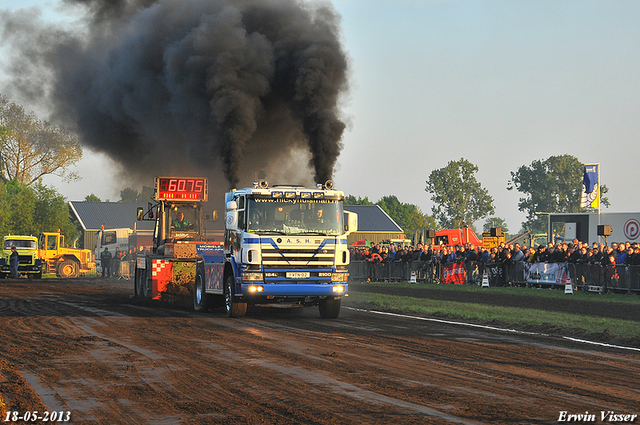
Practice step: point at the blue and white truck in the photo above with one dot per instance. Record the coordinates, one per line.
(283, 245)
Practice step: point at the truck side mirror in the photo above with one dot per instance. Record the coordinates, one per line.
(140, 213)
(232, 220)
(351, 222)
(232, 205)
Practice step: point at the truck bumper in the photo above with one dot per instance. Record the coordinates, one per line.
(294, 290)
(22, 269)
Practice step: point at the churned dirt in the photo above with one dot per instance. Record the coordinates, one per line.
(85, 346)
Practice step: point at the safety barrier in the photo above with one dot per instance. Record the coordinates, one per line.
(123, 269)
(584, 277)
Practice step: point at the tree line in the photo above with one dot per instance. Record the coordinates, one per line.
(552, 185)
(31, 148)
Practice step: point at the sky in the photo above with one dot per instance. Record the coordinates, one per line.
(499, 83)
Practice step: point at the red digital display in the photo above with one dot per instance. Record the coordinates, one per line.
(181, 189)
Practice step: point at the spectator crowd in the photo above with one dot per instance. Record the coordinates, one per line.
(619, 253)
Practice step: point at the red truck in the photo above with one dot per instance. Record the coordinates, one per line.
(454, 237)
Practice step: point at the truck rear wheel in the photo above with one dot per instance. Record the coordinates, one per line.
(200, 298)
(67, 269)
(139, 285)
(330, 308)
(234, 308)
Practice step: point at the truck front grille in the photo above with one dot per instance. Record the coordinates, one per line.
(25, 259)
(295, 256)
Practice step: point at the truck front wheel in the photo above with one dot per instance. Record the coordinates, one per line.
(200, 298)
(67, 269)
(233, 307)
(330, 308)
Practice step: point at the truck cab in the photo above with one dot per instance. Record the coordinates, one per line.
(112, 239)
(28, 262)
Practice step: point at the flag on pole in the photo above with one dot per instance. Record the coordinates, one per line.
(591, 186)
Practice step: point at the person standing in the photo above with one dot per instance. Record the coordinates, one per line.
(105, 262)
(13, 263)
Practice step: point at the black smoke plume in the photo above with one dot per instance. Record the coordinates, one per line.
(191, 86)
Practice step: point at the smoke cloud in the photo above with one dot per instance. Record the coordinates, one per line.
(213, 87)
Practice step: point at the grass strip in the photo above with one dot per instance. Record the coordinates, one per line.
(484, 313)
(557, 292)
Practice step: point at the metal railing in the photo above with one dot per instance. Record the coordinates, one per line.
(122, 269)
(584, 277)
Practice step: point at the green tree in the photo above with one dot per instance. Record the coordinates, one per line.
(92, 198)
(21, 204)
(352, 200)
(132, 195)
(459, 198)
(52, 212)
(553, 185)
(31, 148)
(408, 216)
(29, 210)
(495, 222)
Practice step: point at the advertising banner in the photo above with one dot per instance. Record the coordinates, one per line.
(453, 273)
(545, 273)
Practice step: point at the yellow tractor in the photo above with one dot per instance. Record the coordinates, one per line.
(64, 262)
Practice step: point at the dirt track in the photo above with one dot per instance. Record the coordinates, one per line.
(84, 346)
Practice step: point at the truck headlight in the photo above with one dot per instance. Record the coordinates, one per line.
(253, 277)
(339, 277)
(338, 288)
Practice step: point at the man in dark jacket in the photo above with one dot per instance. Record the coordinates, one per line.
(105, 262)
(13, 262)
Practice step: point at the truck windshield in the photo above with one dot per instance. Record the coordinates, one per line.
(20, 244)
(294, 216)
(183, 222)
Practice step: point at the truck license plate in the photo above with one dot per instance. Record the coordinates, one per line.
(298, 275)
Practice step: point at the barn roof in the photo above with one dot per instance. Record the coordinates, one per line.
(113, 215)
(372, 218)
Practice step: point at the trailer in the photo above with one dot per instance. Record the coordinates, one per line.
(594, 227)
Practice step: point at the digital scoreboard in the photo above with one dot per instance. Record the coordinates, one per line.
(181, 189)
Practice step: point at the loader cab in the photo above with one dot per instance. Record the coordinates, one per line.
(183, 222)
(50, 241)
